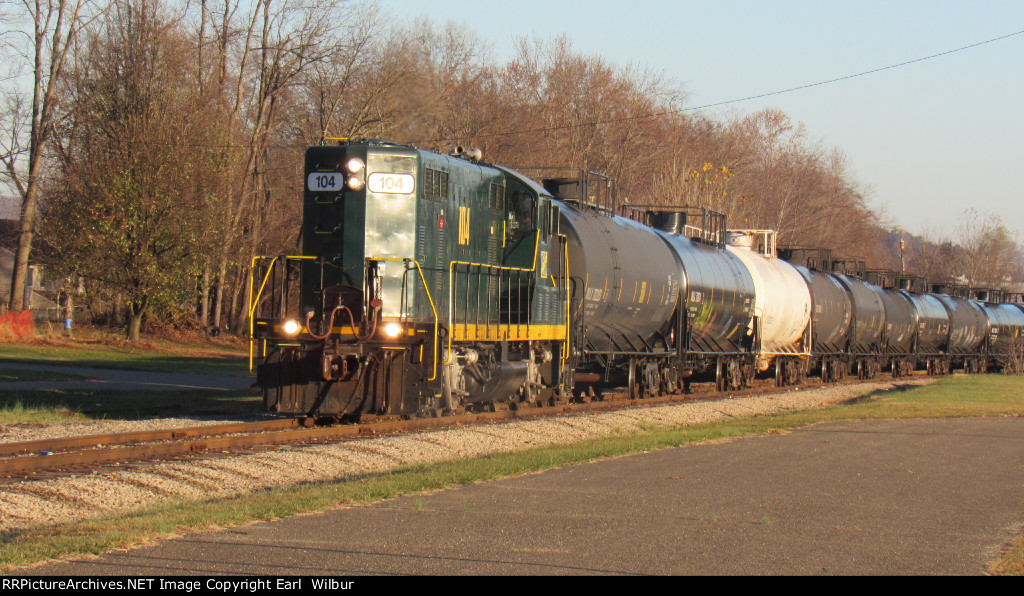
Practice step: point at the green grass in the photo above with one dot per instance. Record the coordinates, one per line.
(958, 396)
(14, 411)
(97, 350)
(9, 375)
(74, 405)
(155, 355)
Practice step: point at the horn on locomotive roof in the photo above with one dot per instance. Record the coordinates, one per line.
(470, 154)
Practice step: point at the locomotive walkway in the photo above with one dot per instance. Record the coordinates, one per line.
(870, 497)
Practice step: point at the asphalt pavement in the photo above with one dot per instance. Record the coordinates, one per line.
(904, 497)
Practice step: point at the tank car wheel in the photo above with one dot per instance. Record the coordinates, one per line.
(633, 384)
(670, 381)
(650, 385)
(734, 376)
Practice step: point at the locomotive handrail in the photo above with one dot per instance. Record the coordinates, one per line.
(489, 267)
(254, 302)
(430, 299)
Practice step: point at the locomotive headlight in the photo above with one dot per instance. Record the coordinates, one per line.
(392, 330)
(290, 327)
(354, 165)
(354, 183)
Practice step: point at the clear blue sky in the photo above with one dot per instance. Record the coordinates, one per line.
(925, 140)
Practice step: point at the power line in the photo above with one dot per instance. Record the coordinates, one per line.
(860, 74)
(748, 98)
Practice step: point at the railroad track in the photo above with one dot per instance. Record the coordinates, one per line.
(75, 455)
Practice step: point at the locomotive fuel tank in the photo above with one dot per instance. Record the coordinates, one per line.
(626, 280)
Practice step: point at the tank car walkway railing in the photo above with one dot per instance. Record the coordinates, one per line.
(696, 223)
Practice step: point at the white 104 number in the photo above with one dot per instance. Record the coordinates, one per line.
(325, 181)
(386, 182)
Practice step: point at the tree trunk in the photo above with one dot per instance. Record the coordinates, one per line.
(204, 298)
(218, 299)
(241, 324)
(28, 223)
(136, 310)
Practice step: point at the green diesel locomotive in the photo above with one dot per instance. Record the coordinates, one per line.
(429, 284)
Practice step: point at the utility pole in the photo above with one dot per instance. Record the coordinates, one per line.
(903, 268)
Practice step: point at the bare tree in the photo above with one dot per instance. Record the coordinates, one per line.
(127, 214)
(989, 255)
(55, 28)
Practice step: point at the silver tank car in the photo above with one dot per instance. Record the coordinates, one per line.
(719, 297)
(627, 280)
(832, 314)
(782, 304)
(932, 323)
(868, 314)
(900, 321)
(967, 322)
(1005, 327)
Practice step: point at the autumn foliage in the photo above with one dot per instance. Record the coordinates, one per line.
(176, 153)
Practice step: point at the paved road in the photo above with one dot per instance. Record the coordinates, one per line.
(108, 378)
(873, 497)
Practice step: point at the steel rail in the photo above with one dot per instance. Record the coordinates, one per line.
(200, 440)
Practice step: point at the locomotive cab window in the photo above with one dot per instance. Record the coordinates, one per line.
(544, 217)
(522, 213)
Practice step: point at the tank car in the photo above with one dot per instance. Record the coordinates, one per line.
(782, 307)
(867, 324)
(626, 281)
(896, 346)
(653, 308)
(968, 327)
(1005, 329)
(717, 316)
(831, 312)
(931, 341)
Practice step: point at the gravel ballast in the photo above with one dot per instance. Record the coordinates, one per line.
(72, 498)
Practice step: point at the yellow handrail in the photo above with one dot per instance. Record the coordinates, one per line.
(430, 299)
(532, 269)
(263, 285)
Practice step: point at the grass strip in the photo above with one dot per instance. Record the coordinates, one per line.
(156, 356)
(958, 396)
(10, 375)
(55, 406)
